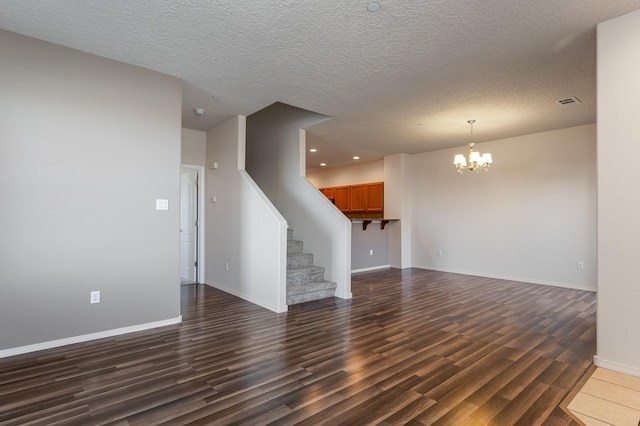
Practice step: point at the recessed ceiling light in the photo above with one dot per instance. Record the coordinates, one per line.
(313, 150)
(323, 164)
(373, 6)
(198, 111)
(356, 158)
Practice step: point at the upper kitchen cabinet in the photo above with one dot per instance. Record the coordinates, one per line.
(360, 198)
(375, 197)
(342, 198)
(330, 193)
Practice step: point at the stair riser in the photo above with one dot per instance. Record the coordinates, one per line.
(310, 287)
(300, 260)
(307, 278)
(306, 297)
(294, 246)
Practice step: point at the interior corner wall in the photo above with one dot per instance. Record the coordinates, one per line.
(531, 217)
(398, 193)
(618, 322)
(87, 145)
(245, 236)
(193, 149)
(221, 218)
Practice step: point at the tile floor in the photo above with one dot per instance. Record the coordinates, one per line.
(608, 398)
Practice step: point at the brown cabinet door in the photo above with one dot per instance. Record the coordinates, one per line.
(343, 198)
(330, 193)
(375, 197)
(358, 198)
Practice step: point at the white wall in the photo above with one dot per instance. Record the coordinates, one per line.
(518, 221)
(372, 171)
(194, 145)
(398, 194)
(618, 325)
(245, 235)
(530, 218)
(276, 161)
(87, 145)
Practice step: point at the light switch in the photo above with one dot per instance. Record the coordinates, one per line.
(162, 204)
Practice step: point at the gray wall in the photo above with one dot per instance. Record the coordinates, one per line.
(194, 144)
(364, 241)
(87, 145)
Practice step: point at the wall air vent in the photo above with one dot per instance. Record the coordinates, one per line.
(569, 101)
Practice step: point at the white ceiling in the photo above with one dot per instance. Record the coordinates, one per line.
(403, 79)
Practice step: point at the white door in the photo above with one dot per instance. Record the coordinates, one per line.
(188, 224)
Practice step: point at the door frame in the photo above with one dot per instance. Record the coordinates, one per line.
(200, 245)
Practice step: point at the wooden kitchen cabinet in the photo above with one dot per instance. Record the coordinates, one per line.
(360, 198)
(330, 193)
(375, 197)
(342, 198)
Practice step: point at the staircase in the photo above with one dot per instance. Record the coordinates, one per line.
(305, 281)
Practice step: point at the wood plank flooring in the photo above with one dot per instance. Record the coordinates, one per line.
(412, 347)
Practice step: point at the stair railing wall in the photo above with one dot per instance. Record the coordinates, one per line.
(276, 145)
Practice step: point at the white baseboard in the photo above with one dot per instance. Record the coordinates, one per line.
(372, 268)
(509, 278)
(276, 309)
(346, 296)
(616, 366)
(87, 337)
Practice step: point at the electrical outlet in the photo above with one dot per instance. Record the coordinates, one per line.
(439, 252)
(371, 252)
(580, 264)
(95, 297)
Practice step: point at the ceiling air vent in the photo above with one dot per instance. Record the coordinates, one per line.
(569, 101)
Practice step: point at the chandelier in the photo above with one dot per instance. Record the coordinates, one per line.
(476, 160)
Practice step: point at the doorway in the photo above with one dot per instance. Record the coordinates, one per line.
(191, 224)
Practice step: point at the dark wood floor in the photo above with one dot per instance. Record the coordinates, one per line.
(411, 347)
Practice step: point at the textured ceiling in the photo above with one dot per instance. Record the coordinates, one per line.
(403, 79)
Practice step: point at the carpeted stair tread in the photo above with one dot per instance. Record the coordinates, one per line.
(305, 281)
